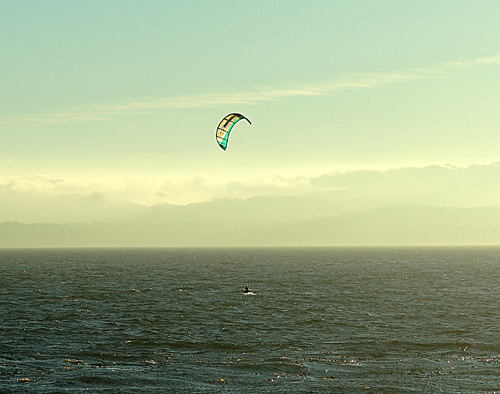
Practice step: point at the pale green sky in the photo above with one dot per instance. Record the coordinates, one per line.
(122, 98)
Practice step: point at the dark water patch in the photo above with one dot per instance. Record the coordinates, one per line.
(397, 320)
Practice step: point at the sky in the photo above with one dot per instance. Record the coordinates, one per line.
(115, 102)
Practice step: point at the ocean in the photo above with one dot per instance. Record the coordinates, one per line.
(316, 320)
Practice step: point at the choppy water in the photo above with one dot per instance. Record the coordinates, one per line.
(393, 320)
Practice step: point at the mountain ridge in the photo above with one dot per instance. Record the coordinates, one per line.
(189, 227)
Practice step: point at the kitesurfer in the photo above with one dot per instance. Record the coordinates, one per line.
(246, 289)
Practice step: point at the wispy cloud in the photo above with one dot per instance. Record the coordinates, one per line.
(355, 81)
(43, 184)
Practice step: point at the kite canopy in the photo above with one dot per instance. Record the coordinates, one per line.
(225, 126)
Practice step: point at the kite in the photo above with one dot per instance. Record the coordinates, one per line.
(225, 126)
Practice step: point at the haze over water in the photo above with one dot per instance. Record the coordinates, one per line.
(386, 320)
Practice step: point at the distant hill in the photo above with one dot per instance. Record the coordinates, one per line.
(269, 221)
(284, 209)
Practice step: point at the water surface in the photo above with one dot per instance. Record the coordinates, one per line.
(386, 320)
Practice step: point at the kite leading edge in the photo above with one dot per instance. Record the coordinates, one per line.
(225, 126)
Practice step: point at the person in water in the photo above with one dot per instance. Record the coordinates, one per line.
(246, 289)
